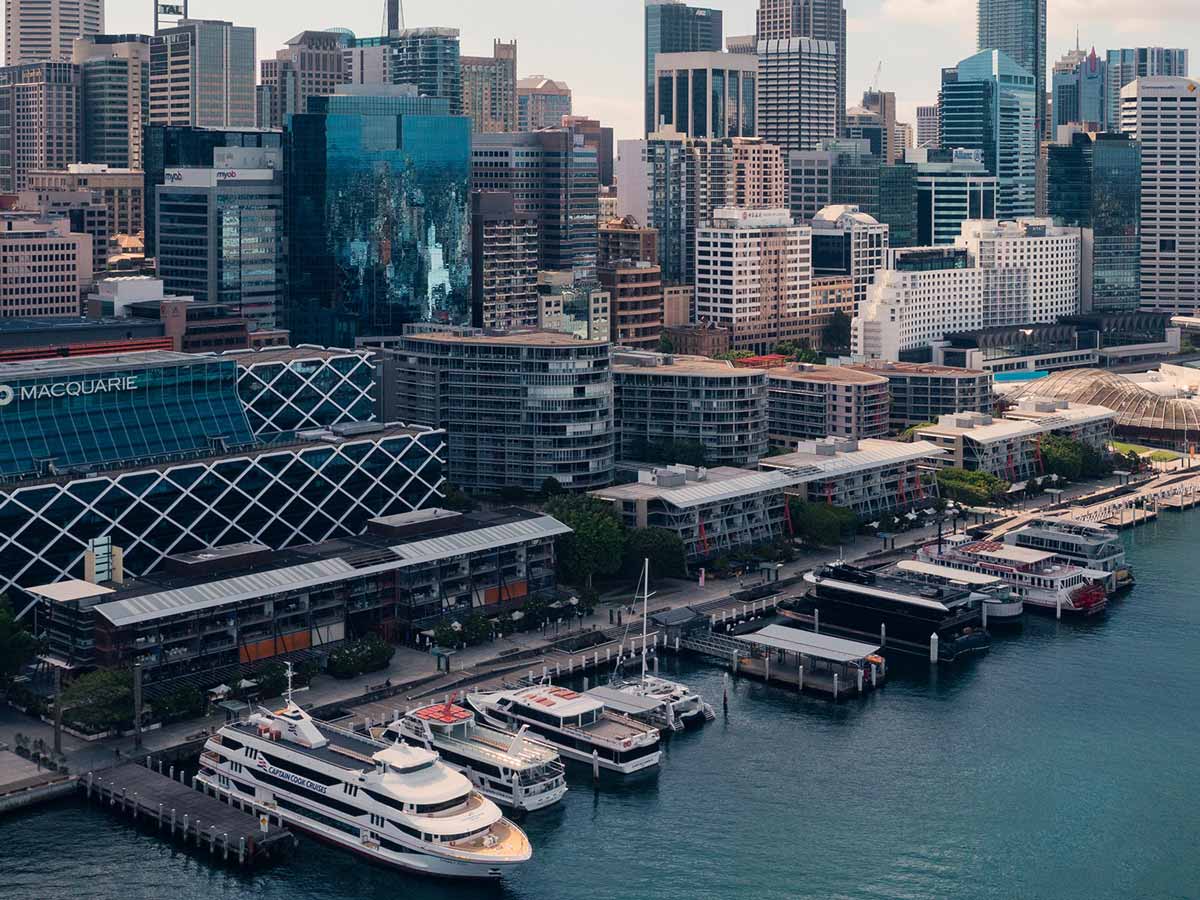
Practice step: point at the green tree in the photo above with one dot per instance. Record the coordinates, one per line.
(17, 646)
(908, 435)
(185, 702)
(477, 629)
(663, 548)
(821, 523)
(972, 488)
(665, 345)
(734, 355)
(446, 637)
(688, 453)
(836, 335)
(798, 352)
(597, 539)
(551, 486)
(1062, 456)
(100, 700)
(456, 500)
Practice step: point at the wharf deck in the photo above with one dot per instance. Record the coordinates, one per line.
(174, 808)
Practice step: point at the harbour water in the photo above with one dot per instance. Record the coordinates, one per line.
(1061, 765)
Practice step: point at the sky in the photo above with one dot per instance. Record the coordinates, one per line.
(596, 45)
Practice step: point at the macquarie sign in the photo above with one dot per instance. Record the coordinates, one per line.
(115, 384)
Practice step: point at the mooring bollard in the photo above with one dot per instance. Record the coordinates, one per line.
(800, 679)
(835, 686)
(225, 842)
(585, 683)
(242, 850)
(874, 675)
(816, 621)
(1058, 606)
(185, 825)
(767, 668)
(860, 680)
(172, 821)
(595, 765)
(883, 634)
(160, 808)
(88, 793)
(172, 775)
(933, 647)
(197, 831)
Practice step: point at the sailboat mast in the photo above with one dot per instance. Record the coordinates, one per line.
(645, 611)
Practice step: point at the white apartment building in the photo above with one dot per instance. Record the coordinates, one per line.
(997, 274)
(44, 267)
(754, 276)
(1163, 113)
(922, 294)
(1031, 269)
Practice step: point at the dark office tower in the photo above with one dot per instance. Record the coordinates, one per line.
(428, 58)
(672, 27)
(393, 16)
(822, 20)
(1095, 185)
(989, 103)
(554, 177)
(599, 138)
(378, 215)
(174, 147)
(1018, 27)
(504, 263)
(114, 71)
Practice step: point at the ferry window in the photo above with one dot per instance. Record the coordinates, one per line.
(427, 808)
(588, 718)
(411, 832)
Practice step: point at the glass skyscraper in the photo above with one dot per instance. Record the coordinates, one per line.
(988, 103)
(1094, 183)
(672, 27)
(1018, 29)
(378, 215)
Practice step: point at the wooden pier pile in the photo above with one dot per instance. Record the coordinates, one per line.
(168, 805)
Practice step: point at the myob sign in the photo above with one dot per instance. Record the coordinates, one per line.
(114, 385)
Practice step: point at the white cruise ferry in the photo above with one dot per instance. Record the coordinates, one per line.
(504, 767)
(682, 707)
(395, 804)
(1036, 576)
(574, 724)
(1093, 547)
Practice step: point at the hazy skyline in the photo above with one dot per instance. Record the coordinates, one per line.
(597, 48)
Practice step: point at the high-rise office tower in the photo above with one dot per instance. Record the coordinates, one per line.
(952, 186)
(1163, 115)
(60, 255)
(1124, 65)
(883, 105)
(1078, 86)
(181, 146)
(39, 121)
(221, 235)
(114, 71)
(312, 64)
(674, 183)
(927, 127)
(847, 241)
(988, 103)
(599, 138)
(760, 291)
(798, 93)
(489, 87)
(45, 30)
(706, 94)
(504, 263)
(1095, 184)
(673, 27)
(1018, 29)
(202, 74)
(541, 103)
(430, 59)
(555, 179)
(120, 189)
(822, 20)
(378, 214)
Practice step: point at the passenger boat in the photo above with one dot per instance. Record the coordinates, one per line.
(1095, 548)
(1001, 605)
(675, 706)
(902, 613)
(578, 726)
(1038, 579)
(394, 804)
(505, 767)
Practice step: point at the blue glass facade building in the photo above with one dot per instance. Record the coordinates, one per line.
(988, 103)
(156, 452)
(672, 27)
(1094, 183)
(378, 216)
(57, 415)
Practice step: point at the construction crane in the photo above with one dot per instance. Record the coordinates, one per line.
(875, 81)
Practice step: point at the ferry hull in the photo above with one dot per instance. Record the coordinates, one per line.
(419, 863)
(640, 764)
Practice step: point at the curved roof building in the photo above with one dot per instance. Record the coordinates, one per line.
(1140, 413)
